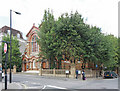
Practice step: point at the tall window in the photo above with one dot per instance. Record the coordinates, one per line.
(38, 48)
(34, 66)
(34, 44)
(30, 64)
(38, 65)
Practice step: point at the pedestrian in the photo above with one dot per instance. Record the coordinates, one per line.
(76, 74)
(83, 75)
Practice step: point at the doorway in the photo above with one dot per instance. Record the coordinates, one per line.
(25, 68)
(44, 65)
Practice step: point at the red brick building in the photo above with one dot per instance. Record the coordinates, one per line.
(30, 57)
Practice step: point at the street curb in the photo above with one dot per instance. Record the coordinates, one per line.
(20, 86)
(61, 78)
(25, 87)
(29, 73)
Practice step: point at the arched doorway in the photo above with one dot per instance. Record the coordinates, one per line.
(34, 64)
(25, 68)
(44, 65)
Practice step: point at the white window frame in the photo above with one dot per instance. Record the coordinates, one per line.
(38, 65)
(30, 65)
(34, 66)
(38, 48)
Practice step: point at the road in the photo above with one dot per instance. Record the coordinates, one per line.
(43, 82)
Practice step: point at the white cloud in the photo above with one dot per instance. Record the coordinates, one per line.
(102, 13)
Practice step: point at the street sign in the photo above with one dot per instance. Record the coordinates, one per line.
(5, 48)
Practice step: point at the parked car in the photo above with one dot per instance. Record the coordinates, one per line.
(114, 74)
(109, 74)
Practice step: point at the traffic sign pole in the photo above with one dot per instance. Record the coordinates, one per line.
(5, 48)
(6, 58)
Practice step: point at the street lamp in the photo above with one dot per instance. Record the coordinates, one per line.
(10, 41)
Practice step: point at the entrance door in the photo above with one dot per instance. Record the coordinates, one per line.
(43, 64)
(25, 67)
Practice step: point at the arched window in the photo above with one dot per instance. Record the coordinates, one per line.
(34, 44)
(38, 48)
(34, 66)
(38, 65)
(30, 65)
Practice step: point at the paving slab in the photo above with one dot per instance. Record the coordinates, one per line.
(12, 85)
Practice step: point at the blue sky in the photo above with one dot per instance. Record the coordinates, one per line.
(100, 13)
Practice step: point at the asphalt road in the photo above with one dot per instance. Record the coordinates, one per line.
(43, 82)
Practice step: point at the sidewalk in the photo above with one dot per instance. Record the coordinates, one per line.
(12, 85)
(34, 72)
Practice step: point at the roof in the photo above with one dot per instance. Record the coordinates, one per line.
(14, 31)
(32, 29)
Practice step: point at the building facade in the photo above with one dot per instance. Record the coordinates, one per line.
(30, 57)
(16, 33)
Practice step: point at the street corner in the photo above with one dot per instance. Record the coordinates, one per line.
(24, 86)
(15, 85)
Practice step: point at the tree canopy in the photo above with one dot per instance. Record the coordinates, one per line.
(70, 36)
(16, 55)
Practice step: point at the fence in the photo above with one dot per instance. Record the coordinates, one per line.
(12, 70)
(63, 73)
(91, 73)
(8, 70)
(47, 71)
(55, 72)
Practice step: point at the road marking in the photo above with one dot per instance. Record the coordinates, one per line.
(108, 79)
(26, 81)
(44, 87)
(24, 86)
(55, 87)
(18, 84)
(35, 83)
(31, 87)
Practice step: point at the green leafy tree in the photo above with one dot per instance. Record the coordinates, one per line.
(0, 53)
(45, 41)
(71, 37)
(118, 68)
(16, 55)
(112, 53)
(67, 28)
(118, 52)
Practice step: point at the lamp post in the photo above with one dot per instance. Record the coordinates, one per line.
(11, 42)
(6, 59)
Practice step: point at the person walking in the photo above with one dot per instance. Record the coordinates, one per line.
(76, 74)
(83, 75)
